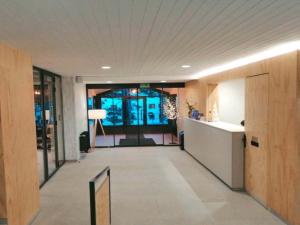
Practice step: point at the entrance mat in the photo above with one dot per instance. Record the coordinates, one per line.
(133, 142)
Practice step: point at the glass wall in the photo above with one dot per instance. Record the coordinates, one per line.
(49, 123)
(135, 116)
(171, 102)
(39, 122)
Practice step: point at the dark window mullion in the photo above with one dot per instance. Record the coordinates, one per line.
(55, 121)
(44, 128)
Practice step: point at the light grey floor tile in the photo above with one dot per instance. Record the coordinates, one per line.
(150, 186)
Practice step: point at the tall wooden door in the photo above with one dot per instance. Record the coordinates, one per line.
(256, 128)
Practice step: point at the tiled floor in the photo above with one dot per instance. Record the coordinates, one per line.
(51, 163)
(150, 186)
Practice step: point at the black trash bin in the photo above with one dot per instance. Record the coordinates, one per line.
(181, 140)
(84, 141)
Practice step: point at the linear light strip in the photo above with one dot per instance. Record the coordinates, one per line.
(272, 52)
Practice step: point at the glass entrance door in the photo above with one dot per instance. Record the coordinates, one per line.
(127, 135)
(151, 131)
(135, 116)
(135, 111)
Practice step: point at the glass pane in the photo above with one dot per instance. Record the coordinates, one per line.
(151, 131)
(39, 124)
(90, 102)
(153, 111)
(59, 119)
(171, 115)
(101, 99)
(108, 105)
(50, 122)
(135, 112)
(118, 111)
(127, 135)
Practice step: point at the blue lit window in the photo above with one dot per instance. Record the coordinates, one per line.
(135, 112)
(114, 111)
(153, 111)
(118, 111)
(38, 115)
(141, 107)
(90, 103)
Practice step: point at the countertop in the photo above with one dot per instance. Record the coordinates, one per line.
(221, 125)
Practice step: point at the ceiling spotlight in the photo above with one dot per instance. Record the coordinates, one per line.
(105, 67)
(109, 82)
(163, 81)
(185, 66)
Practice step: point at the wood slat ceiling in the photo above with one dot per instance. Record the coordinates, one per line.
(144, 40)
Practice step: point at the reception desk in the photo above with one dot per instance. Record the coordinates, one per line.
(219, 147)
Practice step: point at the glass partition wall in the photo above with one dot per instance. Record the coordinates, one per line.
(135, 116)
(49, 122)
(39, 123)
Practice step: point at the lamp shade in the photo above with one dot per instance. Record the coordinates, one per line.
(97, 114)
(47, 114)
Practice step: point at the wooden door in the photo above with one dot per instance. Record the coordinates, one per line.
(256, 128)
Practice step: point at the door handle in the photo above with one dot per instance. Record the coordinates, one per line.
(254, 141)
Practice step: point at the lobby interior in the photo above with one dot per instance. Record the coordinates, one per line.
(160, 112)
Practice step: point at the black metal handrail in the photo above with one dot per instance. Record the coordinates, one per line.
(92, 185)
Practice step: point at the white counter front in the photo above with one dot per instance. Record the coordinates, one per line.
(219, 147)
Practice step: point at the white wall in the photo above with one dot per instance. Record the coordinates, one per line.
(74, 108)
(71, 152)
(80, 110)
(232, 101)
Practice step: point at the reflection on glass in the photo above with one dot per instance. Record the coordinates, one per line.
(90, 103)
(155, 115)
(39, 124)
(118, 111)
(50, 122)
(135, 112)
(114, 111)
(170, 105)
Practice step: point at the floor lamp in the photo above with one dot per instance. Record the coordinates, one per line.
(97, 115)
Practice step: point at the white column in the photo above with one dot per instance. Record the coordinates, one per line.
(71, 143)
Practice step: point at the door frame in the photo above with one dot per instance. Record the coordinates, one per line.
(44, 73)
(131, 86)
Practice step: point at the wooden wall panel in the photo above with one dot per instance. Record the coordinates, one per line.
(196, 93)
(297, 157)
(102, 204)
(256, 126)
(18, 136)
(283, 171)
(3, 211)
(283, 151)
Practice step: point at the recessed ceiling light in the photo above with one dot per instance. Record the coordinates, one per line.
(109, 82)
(185, 66)
(163, 81)
(105, 67)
